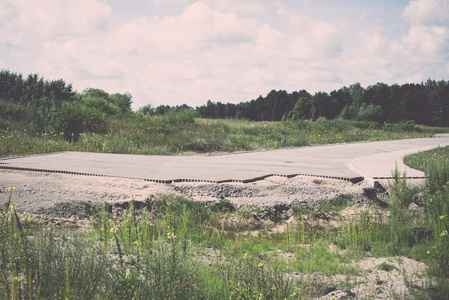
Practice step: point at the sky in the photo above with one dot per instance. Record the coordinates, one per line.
(175, 52)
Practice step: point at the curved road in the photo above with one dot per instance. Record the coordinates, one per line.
(355, 161)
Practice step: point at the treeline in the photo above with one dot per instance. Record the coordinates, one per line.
(426, 103)
(54, 105)
(33, 89)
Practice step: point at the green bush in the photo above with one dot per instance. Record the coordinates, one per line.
(437, 175)
(93, 120)
(409, 125)
(349, 112)
(371, 113)
(146, 110)
(366, 124)
(184, 117)
(75, 118)
(41, 114)
(9, 110)
(70, 121)
(101, 105)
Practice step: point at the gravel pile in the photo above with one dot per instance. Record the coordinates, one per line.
(219, 190)
(311, 196)
(79, 209)
(310, 193)
(36, 199)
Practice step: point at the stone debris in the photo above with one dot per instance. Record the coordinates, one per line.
(303, 192)
(219, 190)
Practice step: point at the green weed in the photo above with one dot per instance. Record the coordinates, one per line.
(182, 133)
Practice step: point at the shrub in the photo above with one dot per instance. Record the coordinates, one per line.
(402, 195)
(408, 125)
(9, 110)
(437, 175)
(184, 117)
(349, 112)
(366, 124)
(70, 121)
(224, 205)
(93, 120)
(75, 118)
(41, 113)
(146, 110)
(371, 113)
(101, 105)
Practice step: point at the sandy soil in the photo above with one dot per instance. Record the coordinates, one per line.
(37, 191)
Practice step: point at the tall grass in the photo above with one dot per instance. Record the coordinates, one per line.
(180, 135)
(151, 253)
(435, 163)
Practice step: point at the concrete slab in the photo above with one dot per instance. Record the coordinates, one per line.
(343, 161)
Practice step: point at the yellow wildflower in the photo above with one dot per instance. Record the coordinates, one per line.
(441, 217)
(443, 233)
(11, 188)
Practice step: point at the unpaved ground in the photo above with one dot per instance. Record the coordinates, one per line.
(37, 192)
(406, 277)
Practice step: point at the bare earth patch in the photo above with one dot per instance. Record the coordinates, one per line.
(406, 275)
(36, 190)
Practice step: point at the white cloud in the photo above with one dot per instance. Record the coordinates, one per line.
(9, 16)
(258, 7)
(312, 38)
(165, 2)
(197, 28)
(427, 12)
(428, 35)
(418, 54)
(427, 43)
(48, 18)
(425, 47)
(85, 63)
(206, 53)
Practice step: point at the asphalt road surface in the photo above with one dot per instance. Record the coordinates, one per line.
(355, 161)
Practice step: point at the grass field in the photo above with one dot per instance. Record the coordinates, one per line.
(173, 135)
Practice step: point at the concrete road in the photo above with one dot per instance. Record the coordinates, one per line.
(368, 160)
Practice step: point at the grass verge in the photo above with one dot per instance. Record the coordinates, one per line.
(171, 135)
